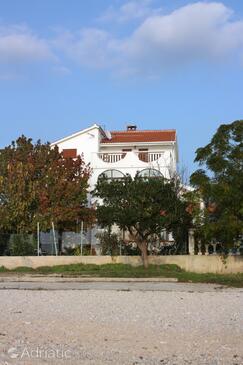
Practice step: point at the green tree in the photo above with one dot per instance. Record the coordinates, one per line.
(38, 185)
(144, 207)
(220, 184)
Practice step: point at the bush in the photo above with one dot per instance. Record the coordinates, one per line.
(112, 245)
(22, 245)
(4, 244)
(76, 251)
(129, 250)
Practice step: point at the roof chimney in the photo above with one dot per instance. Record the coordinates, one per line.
(131, 127)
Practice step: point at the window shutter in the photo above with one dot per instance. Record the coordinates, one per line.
(69, 153)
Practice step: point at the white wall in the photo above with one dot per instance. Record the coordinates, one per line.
(86, 143)
(130, 164)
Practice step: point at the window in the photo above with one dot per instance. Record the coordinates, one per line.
(143, 154)
(150, 173)
(112, 175)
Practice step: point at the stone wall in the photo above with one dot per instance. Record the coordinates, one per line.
(199, 264)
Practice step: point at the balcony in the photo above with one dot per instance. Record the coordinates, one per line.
(149, 156)
(114, 157)
(111, 157)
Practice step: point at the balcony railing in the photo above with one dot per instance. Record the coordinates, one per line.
(149, 156)
(111, 157)
(143, 156)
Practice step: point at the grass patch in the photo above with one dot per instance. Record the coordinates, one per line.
(110, 270)
(128, 271)
(234, 280)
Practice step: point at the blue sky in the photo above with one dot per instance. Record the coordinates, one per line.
(65, 64)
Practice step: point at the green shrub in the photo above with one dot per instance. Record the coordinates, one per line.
(110, 243)
(22, 245)
(4, 243)
(76, 251)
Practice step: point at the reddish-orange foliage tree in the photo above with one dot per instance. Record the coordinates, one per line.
(38, 185)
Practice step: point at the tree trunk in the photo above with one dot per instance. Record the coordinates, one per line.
(143, 248)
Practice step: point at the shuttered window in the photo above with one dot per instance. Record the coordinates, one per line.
(70, 153)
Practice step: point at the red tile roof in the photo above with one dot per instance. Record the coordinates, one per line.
(141, 136)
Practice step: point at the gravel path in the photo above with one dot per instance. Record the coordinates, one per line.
(97, 327)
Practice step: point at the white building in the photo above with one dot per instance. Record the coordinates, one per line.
(117, 153)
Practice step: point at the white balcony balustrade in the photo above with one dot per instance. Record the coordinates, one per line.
(149, 156)
(142, 156)
(111, 157)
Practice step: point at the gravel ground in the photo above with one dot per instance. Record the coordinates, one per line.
(121, 327)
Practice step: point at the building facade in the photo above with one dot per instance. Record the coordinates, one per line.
(117, 153)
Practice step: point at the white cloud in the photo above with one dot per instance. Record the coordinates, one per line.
(89, 47)
(203, 31)
(19, 45)
(197, 32)
(130, 10)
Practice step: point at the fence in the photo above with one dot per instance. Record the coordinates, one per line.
(212, 248)
(86, 243)
(48, 243)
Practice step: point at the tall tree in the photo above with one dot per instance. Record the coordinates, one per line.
(38, 185)
(142, 206)
(220, 184)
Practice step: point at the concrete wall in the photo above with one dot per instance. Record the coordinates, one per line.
(199, 264)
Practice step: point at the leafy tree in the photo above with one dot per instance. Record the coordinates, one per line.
(220, 184)
(38, 185)
(142, 206)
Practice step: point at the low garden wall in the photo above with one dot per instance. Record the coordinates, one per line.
(193, 263)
